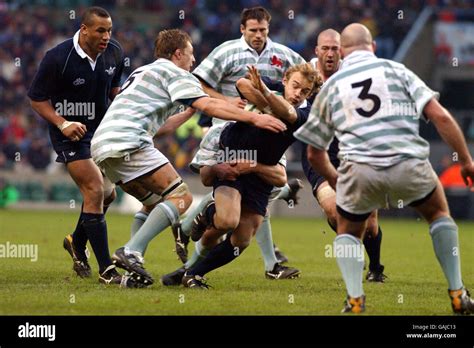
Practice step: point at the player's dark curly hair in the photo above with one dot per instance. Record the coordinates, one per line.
(168, 41)
(258, 13)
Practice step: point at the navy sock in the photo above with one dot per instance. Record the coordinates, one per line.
(96, 228)
(219, 256)
(79, 236)
(372, 246)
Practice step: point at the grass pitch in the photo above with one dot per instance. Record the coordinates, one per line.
(416, 285)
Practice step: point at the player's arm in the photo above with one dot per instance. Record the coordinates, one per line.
(238, 102)
(45, 84)
(274, 175)
(174, 122)
(113, 92)
(452, 135)
(224, 110)
(319, 160)
(280, 107)
(253, 95)
(73, 130)
(222, 171)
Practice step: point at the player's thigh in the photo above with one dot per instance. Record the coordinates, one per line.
(159, 180)
(352, 227)
(86, 175)
(435, 206)
(326, 197)
(360, 189)
(135, 189)
(167, 183)
(228, 206)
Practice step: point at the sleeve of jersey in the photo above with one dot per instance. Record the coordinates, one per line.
(420, 93)
(273, 85)
(208, 153)
(116, 82)
(297, 59)
(317, 131)
(185, 87)
(44, 83)
(211, 69)
(303, 114)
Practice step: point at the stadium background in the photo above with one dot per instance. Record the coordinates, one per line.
(433, 38)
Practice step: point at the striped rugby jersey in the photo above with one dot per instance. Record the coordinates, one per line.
(373, 107)
(228, 62)
(150, 95)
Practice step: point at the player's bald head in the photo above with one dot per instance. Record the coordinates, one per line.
(328, 34)
(356, 36)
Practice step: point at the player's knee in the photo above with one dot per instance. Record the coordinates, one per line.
(225, 221)
(241, 243)
(93, 192)
(179, 193)
(184, 202)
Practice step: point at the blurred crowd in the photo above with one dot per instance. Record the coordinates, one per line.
(29, 28)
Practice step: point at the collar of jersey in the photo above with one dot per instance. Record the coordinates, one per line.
(246, 46)
(356, 57)
(81, 52)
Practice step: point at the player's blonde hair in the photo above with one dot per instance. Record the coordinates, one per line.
(309, 73)
(168, 41)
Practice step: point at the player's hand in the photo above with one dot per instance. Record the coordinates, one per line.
(238, 102)
(75, 131)
(226, 171)
(190, 111)
(254, 77)
(245, 166)
(269, 122)
(467, 173)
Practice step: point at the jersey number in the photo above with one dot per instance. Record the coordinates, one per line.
(129, 81)
(364, 94)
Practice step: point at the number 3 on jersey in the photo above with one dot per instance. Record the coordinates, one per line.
(364, 95)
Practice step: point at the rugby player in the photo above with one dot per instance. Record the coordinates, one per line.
(83, 72)
(385, 160)
(122, 145)
(240, 205)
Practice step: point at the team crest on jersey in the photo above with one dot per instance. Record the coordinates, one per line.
(79, 81)
(110, 70)
(277, 62)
